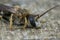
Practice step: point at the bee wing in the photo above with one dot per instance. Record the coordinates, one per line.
(6, 8)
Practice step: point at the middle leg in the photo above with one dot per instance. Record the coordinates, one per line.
(11, 21)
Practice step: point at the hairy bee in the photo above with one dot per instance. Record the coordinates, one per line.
(18, 16)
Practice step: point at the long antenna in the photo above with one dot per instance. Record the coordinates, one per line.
(46, 12)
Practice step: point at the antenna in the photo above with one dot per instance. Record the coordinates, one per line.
(46, 11)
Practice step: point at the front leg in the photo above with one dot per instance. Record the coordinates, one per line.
(25, 24)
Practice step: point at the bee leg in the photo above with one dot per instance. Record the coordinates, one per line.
(11, 21)
(0, 17)
(25, 24)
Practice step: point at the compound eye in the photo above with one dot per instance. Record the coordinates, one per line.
(32, 21)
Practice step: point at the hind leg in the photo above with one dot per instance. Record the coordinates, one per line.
(0, 17)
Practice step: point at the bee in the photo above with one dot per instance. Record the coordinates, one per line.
(18, 16)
